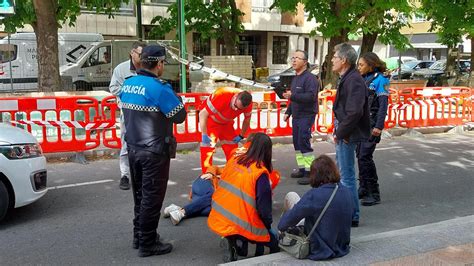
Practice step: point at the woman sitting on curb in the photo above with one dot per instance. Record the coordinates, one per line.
(203, 188)
(332, 235)
(242, 204)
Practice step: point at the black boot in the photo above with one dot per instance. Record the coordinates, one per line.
(231, 250)
(158, 249)
(376, 192)
(305, 180)
(370, 199)
(362, 189)
(298, 174)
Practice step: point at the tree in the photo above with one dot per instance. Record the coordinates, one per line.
(337, 18)
(46, 16)
(451, 20)
(216, 20)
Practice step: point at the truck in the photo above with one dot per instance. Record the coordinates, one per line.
(93, 71)
(19, 54)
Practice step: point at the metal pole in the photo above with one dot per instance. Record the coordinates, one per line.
(182, 45)
(139, 20)
(10, 64)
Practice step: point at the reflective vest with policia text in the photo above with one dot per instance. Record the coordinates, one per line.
(234, 205)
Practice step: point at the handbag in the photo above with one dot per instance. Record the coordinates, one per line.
(297, 244)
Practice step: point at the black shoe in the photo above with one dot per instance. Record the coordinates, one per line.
(362, 192)
(231, 251)
(242, 248)
(298, 174)
(355, 223)
(369, 200)
(124, 183)
(304, 181)
(158, 249)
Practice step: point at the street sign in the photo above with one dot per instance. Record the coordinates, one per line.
(7, 7)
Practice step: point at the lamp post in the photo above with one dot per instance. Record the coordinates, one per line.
(182, 45)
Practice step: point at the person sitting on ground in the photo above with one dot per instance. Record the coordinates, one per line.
(332, 235)
(203, 188)
(242, 204)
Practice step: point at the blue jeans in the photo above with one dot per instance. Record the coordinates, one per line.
(200, 205)
(345, 159)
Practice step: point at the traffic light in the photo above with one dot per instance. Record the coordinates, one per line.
(7, 7)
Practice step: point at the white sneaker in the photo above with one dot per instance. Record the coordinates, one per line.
(169, 209)
(176, 216)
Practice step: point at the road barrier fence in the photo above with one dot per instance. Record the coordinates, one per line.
(77, 123)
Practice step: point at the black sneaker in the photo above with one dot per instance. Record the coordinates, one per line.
(355, 223)
(304, 181)
(158, 249)
(124, 183)
(369, 200)
(297, 174)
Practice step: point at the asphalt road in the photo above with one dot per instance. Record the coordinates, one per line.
(86, 219)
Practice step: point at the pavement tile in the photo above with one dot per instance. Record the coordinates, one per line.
(452, 255)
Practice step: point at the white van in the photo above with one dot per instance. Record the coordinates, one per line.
(22, 53)
(93, 70)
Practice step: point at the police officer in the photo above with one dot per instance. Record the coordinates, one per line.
(303, 107)
(150, 107)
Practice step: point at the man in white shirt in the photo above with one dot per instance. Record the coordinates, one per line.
(121, 72)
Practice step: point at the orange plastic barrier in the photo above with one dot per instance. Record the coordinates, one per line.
(325, 118)
(61, 124)
(434, 106)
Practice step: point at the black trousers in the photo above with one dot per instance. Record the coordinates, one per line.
(365, 159)
(149, 174)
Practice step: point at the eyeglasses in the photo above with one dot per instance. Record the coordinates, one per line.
(296, 57)
(335, 56)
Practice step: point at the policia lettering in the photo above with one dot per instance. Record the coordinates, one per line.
(133, 89)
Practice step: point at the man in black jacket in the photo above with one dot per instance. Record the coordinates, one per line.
(352, 123)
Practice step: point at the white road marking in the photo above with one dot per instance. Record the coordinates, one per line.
(82, 184)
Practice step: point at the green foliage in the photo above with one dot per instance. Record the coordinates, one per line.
(451, 19)
(212, 20)
(353, 16)
(67, 12)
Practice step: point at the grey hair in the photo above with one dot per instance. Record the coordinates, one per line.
(346, 51)
(305, 54)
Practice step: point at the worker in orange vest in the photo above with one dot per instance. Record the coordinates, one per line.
(216, 121)
(203, 188)
(242, 204)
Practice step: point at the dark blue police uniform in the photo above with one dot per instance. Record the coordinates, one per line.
(150, 107)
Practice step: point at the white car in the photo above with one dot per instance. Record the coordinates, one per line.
(22, 169)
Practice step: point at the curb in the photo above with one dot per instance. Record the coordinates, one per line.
(102, 152)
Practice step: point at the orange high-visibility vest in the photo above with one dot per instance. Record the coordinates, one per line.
(218, 105)
(234, 206)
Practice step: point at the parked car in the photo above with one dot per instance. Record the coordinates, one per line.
(22, 169)
(409, 67)
(285, 77)
(392, 62)
(435, 75)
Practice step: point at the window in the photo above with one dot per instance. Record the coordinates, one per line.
(7, 52)
(280, 50)
(419, 18)
(99, 57)
(263, 6)
(124, 9)
(316, 46)
(201, 47)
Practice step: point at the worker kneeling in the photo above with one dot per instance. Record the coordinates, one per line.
(242, 204)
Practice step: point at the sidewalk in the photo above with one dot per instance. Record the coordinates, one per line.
(448, 242)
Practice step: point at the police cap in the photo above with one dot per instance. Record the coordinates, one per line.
(153, 53)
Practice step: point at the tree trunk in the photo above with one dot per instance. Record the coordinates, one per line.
(46, 30)
(368, 42)
(230, 26)
(331, 77)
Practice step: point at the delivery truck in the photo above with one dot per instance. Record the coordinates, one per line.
(93, 70)
(19, 58)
